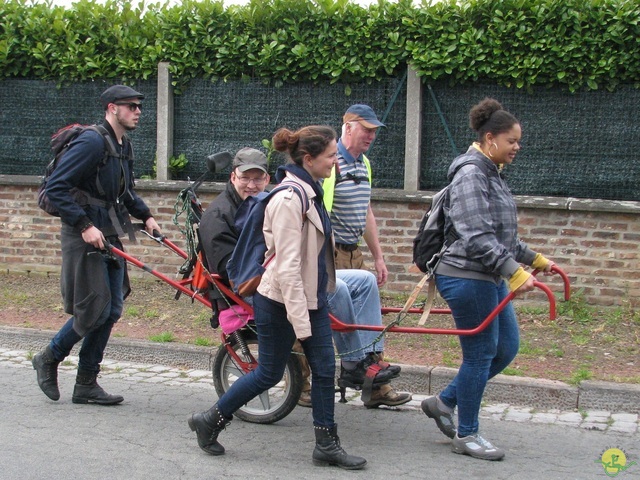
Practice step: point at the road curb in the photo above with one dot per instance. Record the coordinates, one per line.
(423, 380)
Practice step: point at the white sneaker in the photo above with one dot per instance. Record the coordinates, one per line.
(477, 447)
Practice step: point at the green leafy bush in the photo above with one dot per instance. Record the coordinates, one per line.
(575, 44)
(177, 165)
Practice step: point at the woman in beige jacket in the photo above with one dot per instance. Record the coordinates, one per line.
(291, 301)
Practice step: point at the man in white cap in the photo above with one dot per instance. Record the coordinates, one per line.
(92, 187)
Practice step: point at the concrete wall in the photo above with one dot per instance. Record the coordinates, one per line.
(597, 243)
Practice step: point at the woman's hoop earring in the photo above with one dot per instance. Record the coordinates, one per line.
(492, 145)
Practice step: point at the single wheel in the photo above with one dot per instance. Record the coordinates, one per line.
(270, 406)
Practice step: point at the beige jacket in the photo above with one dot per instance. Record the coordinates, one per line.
(291, 277)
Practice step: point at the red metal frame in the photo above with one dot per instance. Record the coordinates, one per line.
(184, 287)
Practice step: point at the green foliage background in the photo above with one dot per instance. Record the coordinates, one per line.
(571, 44)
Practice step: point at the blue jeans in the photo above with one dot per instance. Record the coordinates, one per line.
(356, 301)
(483, 355)
(92, 350)
(275, 340)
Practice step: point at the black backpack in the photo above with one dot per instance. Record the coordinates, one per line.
(60, 142)
(432, 240)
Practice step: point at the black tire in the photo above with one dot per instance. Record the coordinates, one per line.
(269, 407)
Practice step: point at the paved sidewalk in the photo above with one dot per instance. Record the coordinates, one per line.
(604, 421)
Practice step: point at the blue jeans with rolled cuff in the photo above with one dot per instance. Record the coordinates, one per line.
(356, 301)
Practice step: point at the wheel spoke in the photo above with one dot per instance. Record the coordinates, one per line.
(269, 406)
(265, 400)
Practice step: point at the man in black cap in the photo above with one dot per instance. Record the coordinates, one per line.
(93, 189)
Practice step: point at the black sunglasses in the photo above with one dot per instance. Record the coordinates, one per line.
(132, 105)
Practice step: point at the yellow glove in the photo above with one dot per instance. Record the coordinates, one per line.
(518, 279)
(540, 262)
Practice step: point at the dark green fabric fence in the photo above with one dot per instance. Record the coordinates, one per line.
(575, 145)
(211, 117)
(32, 110)
(582, 145)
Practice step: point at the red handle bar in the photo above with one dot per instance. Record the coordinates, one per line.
(336, 324)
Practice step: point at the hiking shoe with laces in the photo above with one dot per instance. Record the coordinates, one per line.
(477, 447)
(443, 419)
(386, 395)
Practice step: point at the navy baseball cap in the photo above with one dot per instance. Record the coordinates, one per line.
(363, 114)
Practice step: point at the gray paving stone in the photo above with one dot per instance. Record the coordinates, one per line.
(594, 418)
(544, 417)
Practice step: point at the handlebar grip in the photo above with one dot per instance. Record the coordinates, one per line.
(155, 233)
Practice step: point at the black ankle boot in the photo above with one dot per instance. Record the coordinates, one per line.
(46, 367)
(87, 390)
(208, 426)
(329, 452)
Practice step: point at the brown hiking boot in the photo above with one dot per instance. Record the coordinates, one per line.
(386, 395)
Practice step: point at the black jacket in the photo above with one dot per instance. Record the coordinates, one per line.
(218, 235)
(79, 167)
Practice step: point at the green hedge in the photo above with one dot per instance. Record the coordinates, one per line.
(574, 44)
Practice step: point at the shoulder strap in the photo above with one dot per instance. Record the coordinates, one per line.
(109, 143)
(299, 189)
(329, 184)
(109, 150)
(478, 163)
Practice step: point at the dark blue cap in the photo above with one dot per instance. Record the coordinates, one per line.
(363, 114)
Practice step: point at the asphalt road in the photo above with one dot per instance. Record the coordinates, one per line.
(147, 437)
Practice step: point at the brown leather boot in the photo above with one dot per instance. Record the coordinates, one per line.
(386, 395)
(305, 395)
